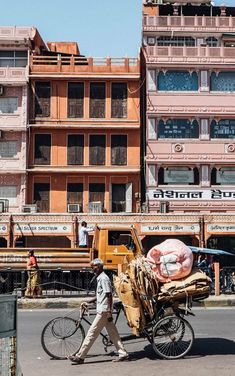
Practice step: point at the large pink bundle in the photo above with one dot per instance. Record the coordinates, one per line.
(170, 260)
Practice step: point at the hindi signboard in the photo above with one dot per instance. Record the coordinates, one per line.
(191, 194)
(173, 228)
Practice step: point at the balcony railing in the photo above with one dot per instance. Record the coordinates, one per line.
(190, 52)
(12, 75)
(184, 22)
(71, 64)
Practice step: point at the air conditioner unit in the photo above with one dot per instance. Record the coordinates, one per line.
(2, 207)
(95, 207)
(1, 89)
(74, 208)
(29, 208)
(151, 41)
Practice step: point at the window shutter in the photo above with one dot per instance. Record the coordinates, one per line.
(75, 99)
(97, 149)
(119, 150)
(152, 80)
(75, 149)
(119, 100)
(42, 196)
(97, 100)
(129, 197)
(42, 99)
(42, 149)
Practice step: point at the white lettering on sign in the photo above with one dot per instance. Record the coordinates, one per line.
(220, 228)
(193, 228)
(37, 228)
(190, 194)
(3, 229)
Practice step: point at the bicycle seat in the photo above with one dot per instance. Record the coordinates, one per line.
(117, 305)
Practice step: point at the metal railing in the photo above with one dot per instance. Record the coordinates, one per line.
(53, 283)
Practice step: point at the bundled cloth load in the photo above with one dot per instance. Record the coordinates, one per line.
(170, 260)
(196, 285)
(134, 287)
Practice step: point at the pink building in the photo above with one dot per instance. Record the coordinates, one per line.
(189, 59)
(15, 44)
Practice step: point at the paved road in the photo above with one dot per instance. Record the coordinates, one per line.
(213, 352)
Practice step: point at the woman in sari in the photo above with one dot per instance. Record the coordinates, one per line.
(33, 284)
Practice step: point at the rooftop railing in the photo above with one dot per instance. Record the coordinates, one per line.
(81, 64)
(188, 22)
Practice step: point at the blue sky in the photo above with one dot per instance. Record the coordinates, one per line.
(101, 27)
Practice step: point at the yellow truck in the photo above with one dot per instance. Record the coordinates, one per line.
(111, 243)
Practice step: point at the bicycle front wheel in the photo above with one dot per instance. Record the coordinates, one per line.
(172, 337)
(62, 337)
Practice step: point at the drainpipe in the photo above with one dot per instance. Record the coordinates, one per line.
(202, 234)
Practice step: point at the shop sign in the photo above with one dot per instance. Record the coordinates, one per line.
(221, 228)
(191, 194)
(193, 228)
(3, 229)
(42, 228)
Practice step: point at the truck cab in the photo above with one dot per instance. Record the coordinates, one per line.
(113, 243)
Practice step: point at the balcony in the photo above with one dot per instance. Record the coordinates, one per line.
(69, 65)
(188, 23)
(189, 55)
(9, 75)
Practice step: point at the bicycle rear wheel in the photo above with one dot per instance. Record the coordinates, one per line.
(172, 337)
(61, 337)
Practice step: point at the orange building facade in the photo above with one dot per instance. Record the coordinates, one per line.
(84, 133)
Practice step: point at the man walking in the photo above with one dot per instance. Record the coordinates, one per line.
(104, 303)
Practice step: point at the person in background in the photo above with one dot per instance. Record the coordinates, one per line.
(104, 306)
(83, 235)
(33, 283)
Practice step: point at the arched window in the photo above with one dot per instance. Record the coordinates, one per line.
(223, 176)
(178, 128)
(224, 81)
(178, 176)
(225, 128)
(177, 81)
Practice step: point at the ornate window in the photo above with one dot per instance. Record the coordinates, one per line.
(178, 128)
(178, 175)
(177, 81)
(224, 81)
(223, 176)
(224, 128)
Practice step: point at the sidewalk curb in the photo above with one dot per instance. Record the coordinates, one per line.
(67, 303)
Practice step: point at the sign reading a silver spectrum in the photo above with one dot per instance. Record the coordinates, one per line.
(191, 194)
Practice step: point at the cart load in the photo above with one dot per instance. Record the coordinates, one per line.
(142, 291)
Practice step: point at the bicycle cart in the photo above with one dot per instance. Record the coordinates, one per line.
(169, 333)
